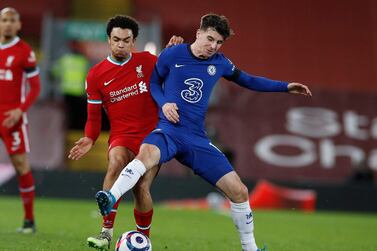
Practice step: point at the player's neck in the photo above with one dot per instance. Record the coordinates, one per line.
(120, 60)
(6, 40)
(196, 51)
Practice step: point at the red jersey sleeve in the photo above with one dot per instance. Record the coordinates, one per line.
(153, 58)
(32, 74)
(93, 94)
(30, 63)
(93, 122)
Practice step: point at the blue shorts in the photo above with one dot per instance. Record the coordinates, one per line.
(192, 150)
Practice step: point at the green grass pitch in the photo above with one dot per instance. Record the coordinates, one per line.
(65, 224)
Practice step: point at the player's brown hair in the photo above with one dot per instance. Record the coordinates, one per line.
(217, 22)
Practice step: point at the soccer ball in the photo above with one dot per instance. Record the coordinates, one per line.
(133, 241)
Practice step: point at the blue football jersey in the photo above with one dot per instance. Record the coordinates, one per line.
(188, 81)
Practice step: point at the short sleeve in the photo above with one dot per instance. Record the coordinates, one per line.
(30, 63)
(93, 94)
(152, 57)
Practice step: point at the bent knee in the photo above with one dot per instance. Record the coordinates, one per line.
(149, 154)
(239, 193)
(116, 165)
(119, 161)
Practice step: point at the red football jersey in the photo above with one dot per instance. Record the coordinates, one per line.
(17, 63)
(123, 90)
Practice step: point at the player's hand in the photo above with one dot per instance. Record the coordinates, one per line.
(297, 88)
(170, 111)
(82, 146)
(174, 40)
(12, 117)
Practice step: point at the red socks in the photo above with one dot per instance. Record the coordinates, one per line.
(27, 192)
(108, 220)
(143, 221)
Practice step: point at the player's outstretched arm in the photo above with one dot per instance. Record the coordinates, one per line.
(297, 88)
(82, 146)
(174, 40)
(92, 131)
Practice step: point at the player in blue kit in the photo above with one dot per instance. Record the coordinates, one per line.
(181, 85)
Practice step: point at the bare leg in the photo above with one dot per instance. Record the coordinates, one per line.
(242, 215)
(142, 195)
(143, 211)
(20, 163)
(147, 158)
(119, 156)
(27, 190)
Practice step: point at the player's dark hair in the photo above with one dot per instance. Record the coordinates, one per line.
(217, 22)
(124, 22)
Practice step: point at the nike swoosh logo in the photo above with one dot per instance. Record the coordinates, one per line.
(249, 222)
(179, 65)
(108, 82)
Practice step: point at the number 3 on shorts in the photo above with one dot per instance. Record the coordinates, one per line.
(16, 141)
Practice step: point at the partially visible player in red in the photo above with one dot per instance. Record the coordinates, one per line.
(17, 68)
(120, 84)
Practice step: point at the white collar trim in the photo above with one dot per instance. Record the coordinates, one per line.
(119, 63)
(10, 44)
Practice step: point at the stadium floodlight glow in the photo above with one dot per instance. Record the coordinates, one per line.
(151, 47)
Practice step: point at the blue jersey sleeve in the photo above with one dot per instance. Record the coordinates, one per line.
(260, 84)
(159, 74)
(251, 82)
(229, 67)
(162, 65)
(156, 88)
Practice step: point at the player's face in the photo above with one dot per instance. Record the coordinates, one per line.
(9, 24)
(209, 41)
(121, 43)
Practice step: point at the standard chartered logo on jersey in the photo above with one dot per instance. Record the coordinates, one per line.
(194, 92)
(312, 132)
(6, 75)
(128, 91)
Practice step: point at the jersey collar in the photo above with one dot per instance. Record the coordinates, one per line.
(14, 41)
(119, 63)
(197, 58)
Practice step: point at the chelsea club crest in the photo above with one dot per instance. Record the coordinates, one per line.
(211, 70)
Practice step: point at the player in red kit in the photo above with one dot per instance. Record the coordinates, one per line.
(17, 68)
(120, 84)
